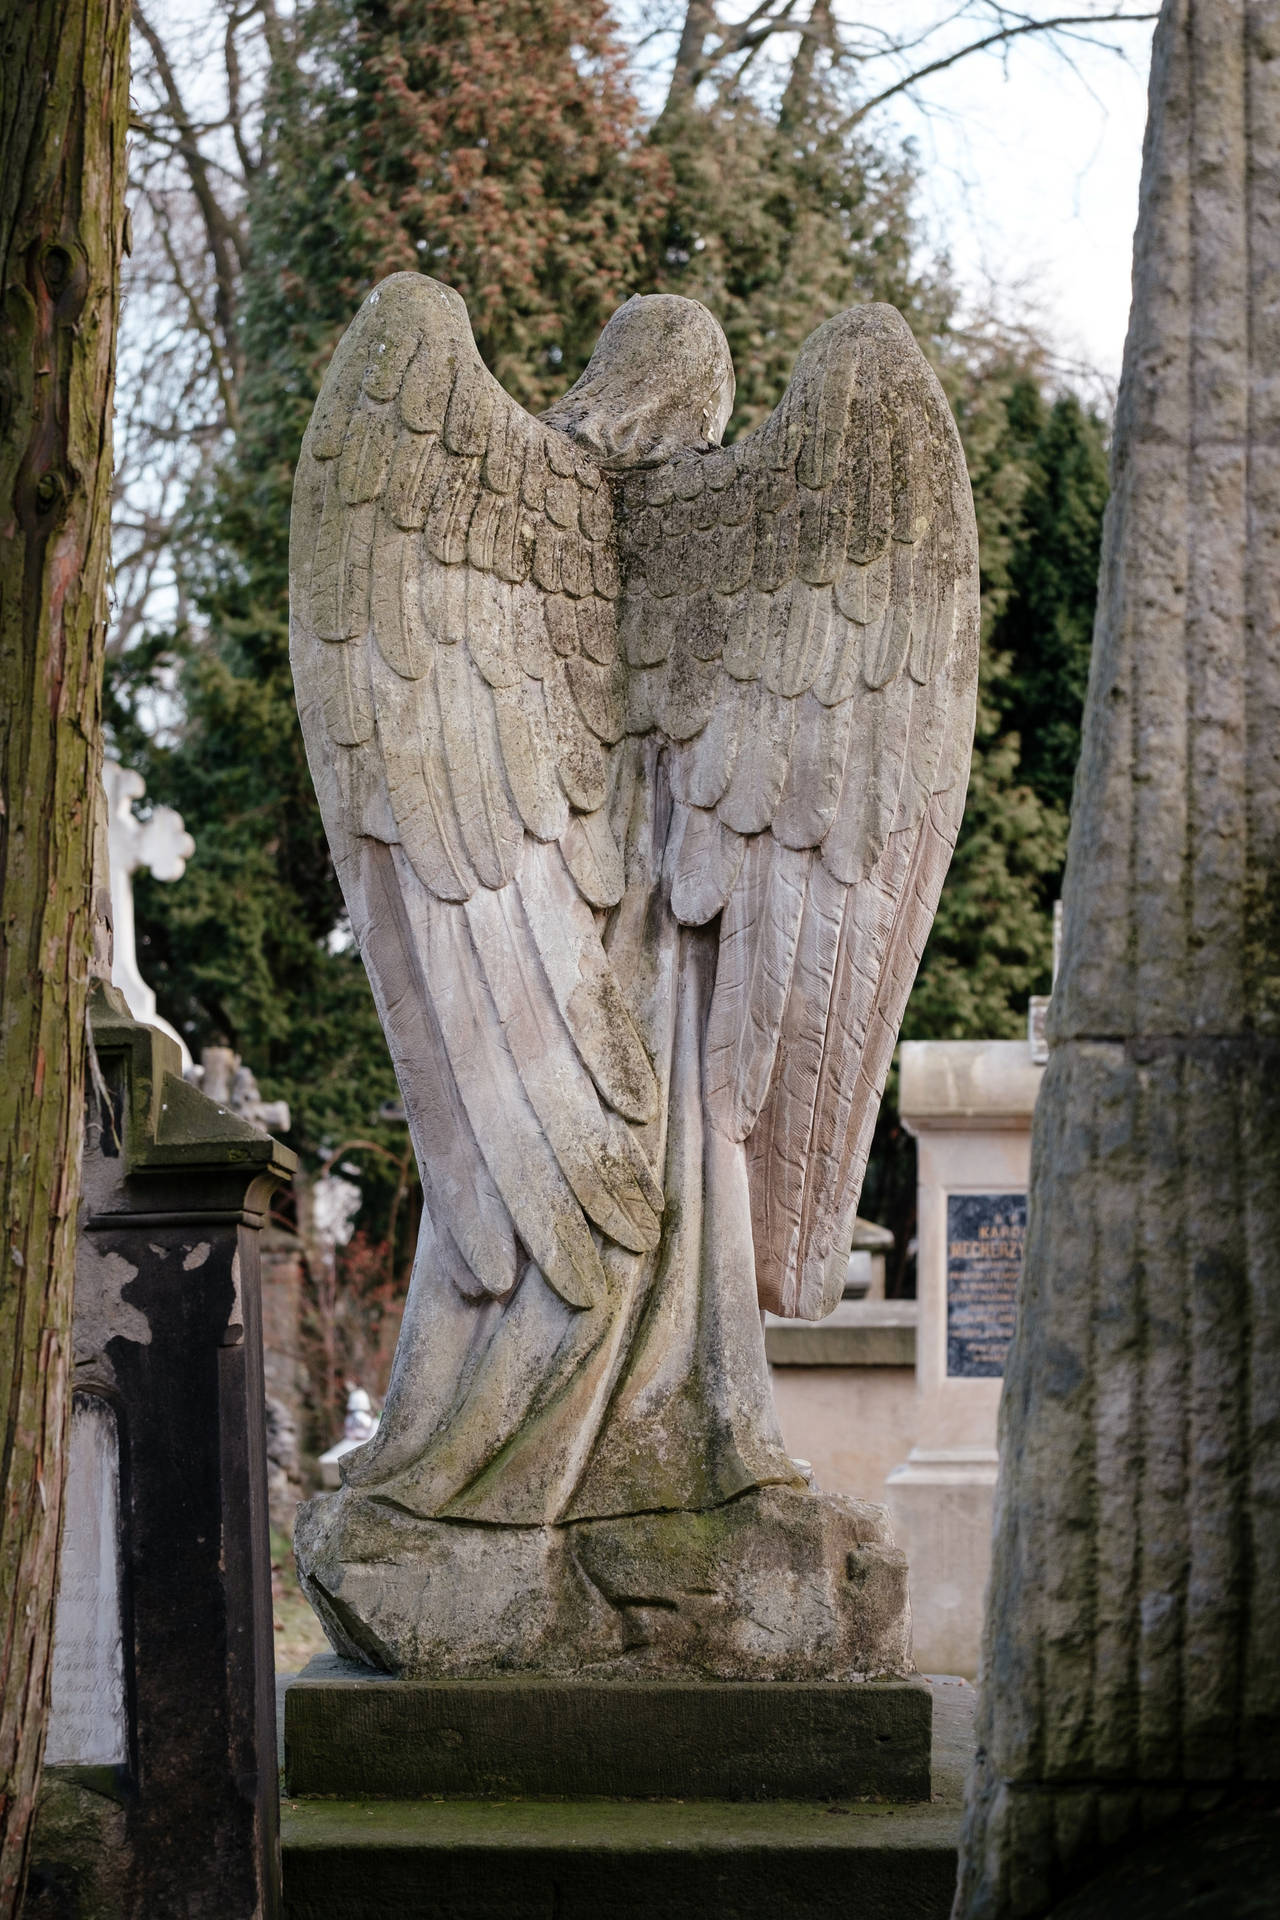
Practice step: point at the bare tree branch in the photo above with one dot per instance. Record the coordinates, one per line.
(1002, 36)
(695, 61)
(226, 242)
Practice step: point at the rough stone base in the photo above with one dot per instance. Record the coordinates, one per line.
(780, 1584)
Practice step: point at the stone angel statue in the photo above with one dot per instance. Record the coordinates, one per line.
(642, 760)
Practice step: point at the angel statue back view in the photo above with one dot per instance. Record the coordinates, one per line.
(641, 759)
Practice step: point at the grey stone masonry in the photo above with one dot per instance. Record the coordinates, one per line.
(1132, 1643)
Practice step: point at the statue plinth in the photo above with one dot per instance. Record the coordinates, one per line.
(779, 1584)
(359, 1738)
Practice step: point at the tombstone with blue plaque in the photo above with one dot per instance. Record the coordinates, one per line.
(985, 1235)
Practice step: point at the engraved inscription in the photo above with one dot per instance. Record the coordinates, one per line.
(88, 1723)
(985, 1234)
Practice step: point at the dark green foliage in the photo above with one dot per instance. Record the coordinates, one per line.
(1039, 480)
(774, 226)
(1047, 626)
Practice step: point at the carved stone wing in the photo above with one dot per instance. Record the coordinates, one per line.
(800, 617)
(454, 643)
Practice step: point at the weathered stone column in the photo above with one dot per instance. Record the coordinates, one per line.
(1132, 1647)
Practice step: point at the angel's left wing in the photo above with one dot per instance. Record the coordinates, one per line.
(800, 618)
(453, 638)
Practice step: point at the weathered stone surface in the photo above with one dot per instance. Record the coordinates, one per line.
(631, 1860)
(1223, 1865)
(779, 1584)
(522, 1859)
(1132, 1652)
(641, 760)
(352, 1735)
(81, 1867)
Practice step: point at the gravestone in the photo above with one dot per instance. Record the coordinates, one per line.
(969, 1104)
(89, 1712)
(1132, 1641)
(985, 1235)
(159, 1792)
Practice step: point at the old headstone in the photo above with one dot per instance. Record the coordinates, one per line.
(1132, 1642)
(159, 1794)
(641, 760)
(89, 1715)
(969, 1104)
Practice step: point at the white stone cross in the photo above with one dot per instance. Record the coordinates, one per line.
(162, 845)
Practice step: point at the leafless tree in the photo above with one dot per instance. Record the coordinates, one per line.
(199, 78)
(884, 50)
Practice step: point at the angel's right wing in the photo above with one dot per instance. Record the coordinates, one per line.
(800, 617)
(453, 577)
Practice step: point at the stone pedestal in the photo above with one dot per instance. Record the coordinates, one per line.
(969, 1105)
(351, 1734)
(519, 1798)
(845, 1391)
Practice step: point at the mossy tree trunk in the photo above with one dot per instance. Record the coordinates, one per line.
(64, 78)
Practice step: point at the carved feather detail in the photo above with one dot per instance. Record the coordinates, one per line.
(510, 1133)
(703, 860)
(529, 759)
(584, 984)
(593, 858)
(459, 1189)
(778, 1150)
(486, 815)
(606, 1169)
(758, 937)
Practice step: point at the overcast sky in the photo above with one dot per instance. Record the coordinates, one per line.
(1031, 180)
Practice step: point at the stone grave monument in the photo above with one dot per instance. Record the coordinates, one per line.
(641, 760)
(159, 1794)
(969, 1104)
(1132, 1642)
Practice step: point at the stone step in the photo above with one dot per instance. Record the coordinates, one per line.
(352, 1734)
(629, 1860)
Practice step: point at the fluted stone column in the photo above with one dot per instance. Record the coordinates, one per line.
(1132, 1644)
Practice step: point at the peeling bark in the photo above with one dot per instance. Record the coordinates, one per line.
(64, 76)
